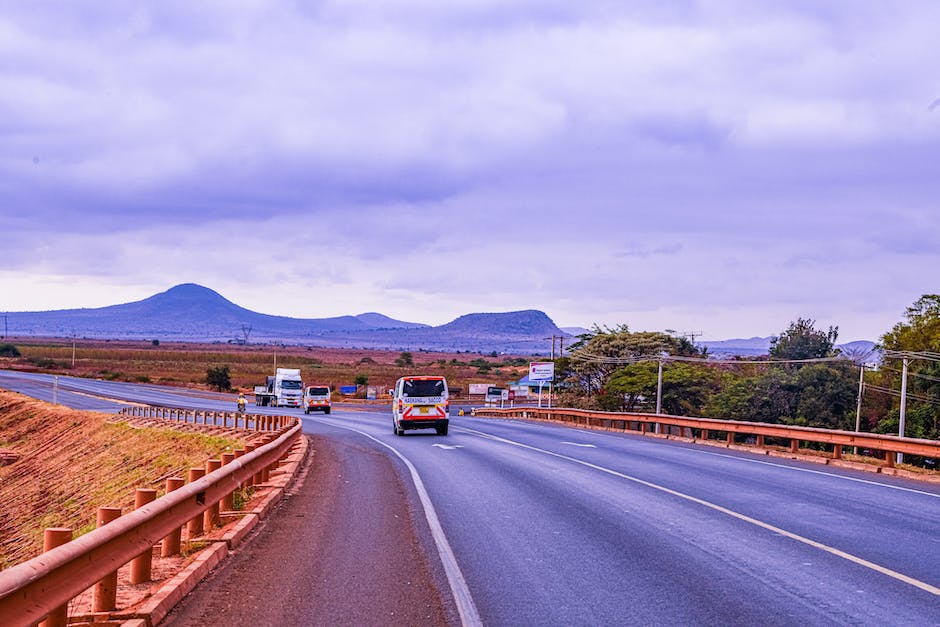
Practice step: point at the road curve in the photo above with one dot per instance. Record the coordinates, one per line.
(552, 525)
(341, 549)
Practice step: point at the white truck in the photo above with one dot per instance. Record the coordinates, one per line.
(284, 389)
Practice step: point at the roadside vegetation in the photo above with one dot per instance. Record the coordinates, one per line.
(65, 463)
(803, 381)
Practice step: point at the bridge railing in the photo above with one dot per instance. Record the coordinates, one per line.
(37, 588)
(731, 430)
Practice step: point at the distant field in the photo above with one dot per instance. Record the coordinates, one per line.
(185, 364)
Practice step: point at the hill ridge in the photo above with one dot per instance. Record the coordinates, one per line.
(192, 312)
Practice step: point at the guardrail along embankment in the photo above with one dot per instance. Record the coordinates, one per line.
(764, 437)
(139, 563)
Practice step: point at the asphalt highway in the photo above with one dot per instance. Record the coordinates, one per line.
(541, 524)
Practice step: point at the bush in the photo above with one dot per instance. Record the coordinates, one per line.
(48, 364)
(8, 350)
(220, 378)
(361, 379)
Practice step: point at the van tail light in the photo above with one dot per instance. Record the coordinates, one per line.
(401, 406)
(447, 406)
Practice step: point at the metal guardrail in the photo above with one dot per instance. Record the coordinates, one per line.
(230, 419)
(32, 590)
(646, 423)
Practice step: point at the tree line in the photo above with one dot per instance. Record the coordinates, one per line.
(804, 380)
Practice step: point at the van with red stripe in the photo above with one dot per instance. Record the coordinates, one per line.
(317, 398)
(420, 403)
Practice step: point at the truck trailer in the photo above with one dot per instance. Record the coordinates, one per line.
(284, 389)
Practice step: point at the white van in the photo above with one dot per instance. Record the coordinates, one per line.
(420, 403)
(317, 398)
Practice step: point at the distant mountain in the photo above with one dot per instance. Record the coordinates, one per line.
(756, 346)
(378, 321)
(737, 347)
(528, 322)
(191, 312)
(183, 312)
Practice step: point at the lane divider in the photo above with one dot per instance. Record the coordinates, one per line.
(724, 510)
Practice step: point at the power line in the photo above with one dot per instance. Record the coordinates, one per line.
(594, 358)
(911, 374)
(922, 355)
(917, 397)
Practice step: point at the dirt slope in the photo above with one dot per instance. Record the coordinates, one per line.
(68, 463)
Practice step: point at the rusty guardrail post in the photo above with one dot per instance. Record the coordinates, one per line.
(51, 538)
(194, 526)
(171, 543)
(250, 481)
(212, 514)
(227, 504)
(238, 453)
(141, 565)
(104, 595)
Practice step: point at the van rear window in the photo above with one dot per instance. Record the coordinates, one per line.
(423, 387)
(318, 391)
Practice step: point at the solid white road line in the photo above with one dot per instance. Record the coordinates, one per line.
(469, 615)
(718, 508)
(697, 449)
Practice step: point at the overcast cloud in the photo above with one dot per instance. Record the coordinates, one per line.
(714, 167)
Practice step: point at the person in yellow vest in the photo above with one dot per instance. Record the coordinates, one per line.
(241, 402)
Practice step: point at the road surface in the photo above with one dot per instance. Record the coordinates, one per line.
(531, 523)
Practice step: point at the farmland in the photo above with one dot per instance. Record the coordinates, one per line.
(185, 364)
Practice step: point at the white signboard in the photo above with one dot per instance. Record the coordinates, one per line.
(479, 388)
(541, 370)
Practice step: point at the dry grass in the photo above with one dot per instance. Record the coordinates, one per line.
(72, 462)
(185, 364)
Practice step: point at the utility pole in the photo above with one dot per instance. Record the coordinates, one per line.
(551, 384)
(900, 458)
(5, 326)
(858, 408)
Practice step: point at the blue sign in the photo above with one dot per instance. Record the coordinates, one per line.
(347, 389)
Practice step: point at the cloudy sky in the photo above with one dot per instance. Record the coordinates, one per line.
(717, 167)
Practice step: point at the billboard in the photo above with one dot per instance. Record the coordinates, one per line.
(478, 388)
(541, 370)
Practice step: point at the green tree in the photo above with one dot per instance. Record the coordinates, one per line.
(361, 379)
(919, 332)
(827, 395)
(803, 341)
(9, 350)
(219, 377)
(405, 359)
(597, 356)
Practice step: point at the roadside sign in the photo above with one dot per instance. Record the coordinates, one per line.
(478, 388)
(541, 370)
